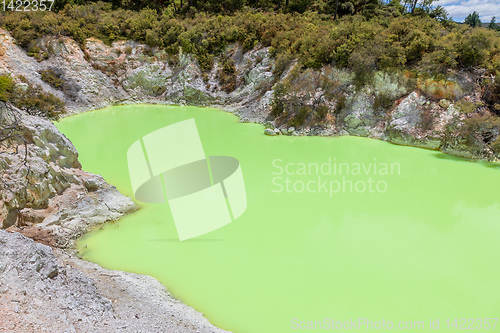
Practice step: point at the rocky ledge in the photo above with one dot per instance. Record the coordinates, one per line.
(44, 192)
(45, 290)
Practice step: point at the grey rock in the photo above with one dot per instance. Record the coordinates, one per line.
(83, 297)
(269, 132)
(59, 192)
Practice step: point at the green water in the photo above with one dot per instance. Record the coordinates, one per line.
(426, 247)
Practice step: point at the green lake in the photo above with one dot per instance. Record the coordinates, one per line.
(335, 228)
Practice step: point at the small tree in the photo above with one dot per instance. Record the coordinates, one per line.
(411, 5)
(493, 25)
(473, 20)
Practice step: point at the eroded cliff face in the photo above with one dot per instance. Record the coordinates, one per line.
(43, 191)
(129, 72)
(327, 101)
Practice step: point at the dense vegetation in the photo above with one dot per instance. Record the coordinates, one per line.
(363, 35)
(375, 36)
(30, 98)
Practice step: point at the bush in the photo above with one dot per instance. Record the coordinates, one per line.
(278, 102)
(481, 130)
(495, 145)
(299, 118)
(468, 107)
(376, 37)
(472, 50)
(6, 87)
(341, 102)
(321, 111)
(52, 78)
(227, 74)
(38, 103)
(281, 63)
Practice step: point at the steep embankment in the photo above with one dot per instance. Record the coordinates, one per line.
(44, 192)
(446, 114)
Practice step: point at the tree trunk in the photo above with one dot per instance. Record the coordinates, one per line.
(336, 9)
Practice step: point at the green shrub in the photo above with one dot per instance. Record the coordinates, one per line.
(128, 50)
(375, 37)
(6, 87)
(52, 78)
(298, 119)
(481, 130)
(341, 102)
(37, 102)
(278, 102)
(321, 111)
(473, 49)
(495, 145)
(281, 63)
(468, 107)
(227, 74)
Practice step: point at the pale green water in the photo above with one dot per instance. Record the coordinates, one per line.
(426, 248)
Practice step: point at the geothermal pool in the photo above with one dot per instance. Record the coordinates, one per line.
(336, 229)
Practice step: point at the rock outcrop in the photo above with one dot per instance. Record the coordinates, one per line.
(43, 191)
(98, 75)
(43, 291)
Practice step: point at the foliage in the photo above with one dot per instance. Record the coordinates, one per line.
(495, 145)
(283, 61)
(340, 104)
(493, 25)
(37, 102)
(468, 107)
(481, 130)
(52, 78)
(382, 40)
(30, 98)
(6, 87)
(227, 74)
(368, 36)
(473, 20)
(491, 94)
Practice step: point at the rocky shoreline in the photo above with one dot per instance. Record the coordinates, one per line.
(47, 288)
(44, 285)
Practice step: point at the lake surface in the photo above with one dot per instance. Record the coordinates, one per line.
(395, 234)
